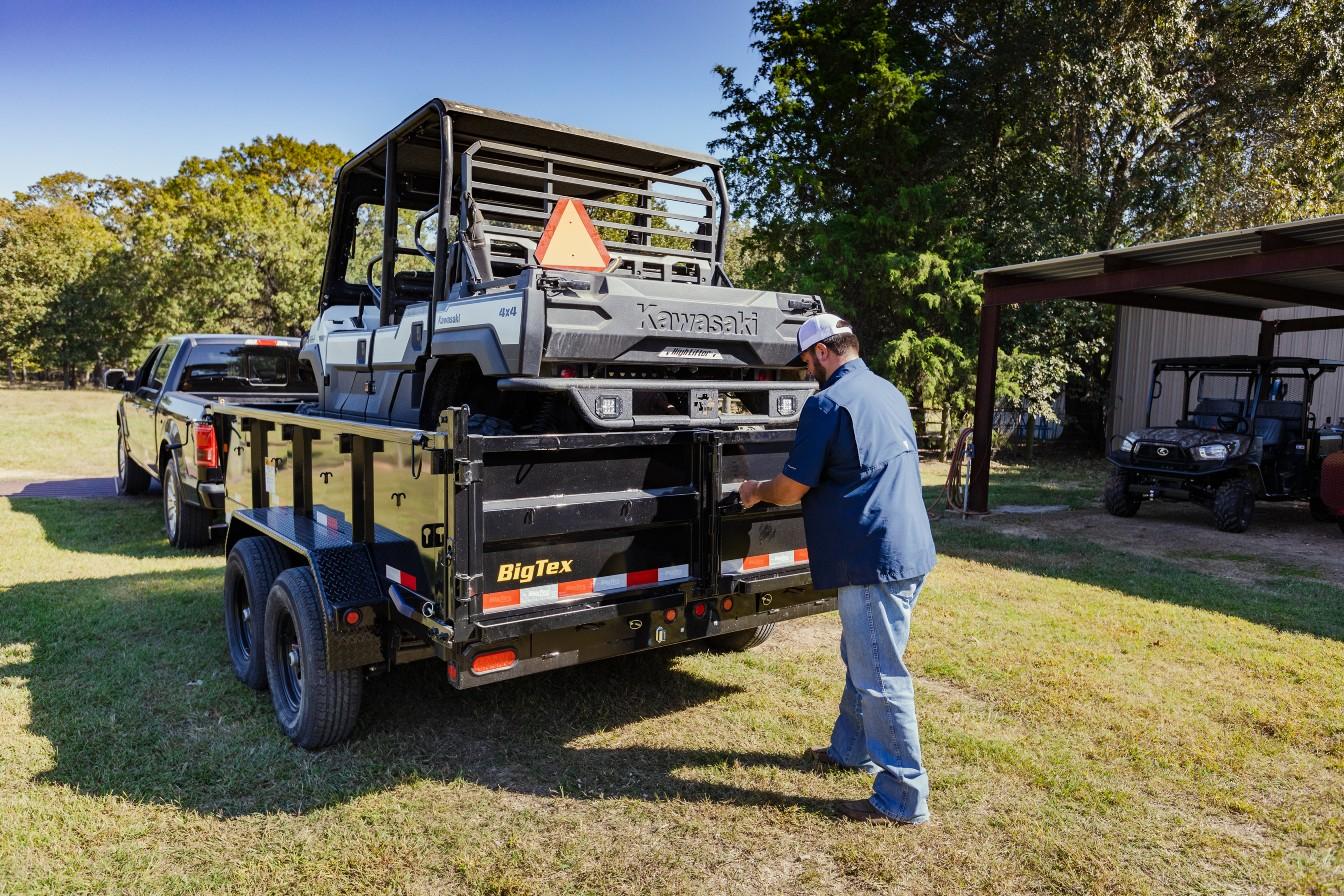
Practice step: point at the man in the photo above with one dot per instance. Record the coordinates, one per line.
(855, 468)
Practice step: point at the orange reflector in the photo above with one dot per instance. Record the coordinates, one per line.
(352, 617)
(669, 615)
(727, 605)
(452, 672)
(758, 561)
(494, 660)
(571, 241)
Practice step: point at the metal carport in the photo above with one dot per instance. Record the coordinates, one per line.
(1240, 274)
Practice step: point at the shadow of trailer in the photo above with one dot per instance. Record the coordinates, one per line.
(354, 547)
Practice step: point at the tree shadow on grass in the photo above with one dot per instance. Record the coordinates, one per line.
(128, 526)
(1287, 603)
(129, 682)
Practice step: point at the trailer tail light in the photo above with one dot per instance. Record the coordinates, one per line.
(727, 605)
(207, 449)
(452, 672)
(669, 615)
(698, 610)
(494, 661)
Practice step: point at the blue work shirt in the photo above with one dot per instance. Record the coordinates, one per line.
(864, 514)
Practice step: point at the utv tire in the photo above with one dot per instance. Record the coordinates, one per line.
(315, 706)
(253, 566)
(1233, 506)
(1116, 496)
(743, 640)
(1319, 512)
(187, 525)
(131, 480)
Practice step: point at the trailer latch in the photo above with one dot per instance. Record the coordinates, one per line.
(468, 471)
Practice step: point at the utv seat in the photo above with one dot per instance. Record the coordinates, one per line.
(1209, 410)
(411, 287)
(1278, 421)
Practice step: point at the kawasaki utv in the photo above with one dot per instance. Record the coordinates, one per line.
(1249, 435)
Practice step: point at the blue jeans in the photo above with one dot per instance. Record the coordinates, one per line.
(877, 730)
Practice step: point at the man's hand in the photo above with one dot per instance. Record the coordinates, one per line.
(749, 492)
(780, 491)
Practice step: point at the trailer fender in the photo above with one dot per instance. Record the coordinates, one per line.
(345, 570)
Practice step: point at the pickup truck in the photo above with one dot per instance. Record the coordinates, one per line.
(163, 433)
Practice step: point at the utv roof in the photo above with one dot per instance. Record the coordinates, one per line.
(1246, 362)
(472, 123)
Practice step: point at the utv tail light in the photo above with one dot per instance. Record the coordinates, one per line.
(494, 660)
(568, 373)
(207, 449)
(353, 617)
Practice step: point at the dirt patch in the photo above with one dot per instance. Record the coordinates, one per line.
(1283, 541)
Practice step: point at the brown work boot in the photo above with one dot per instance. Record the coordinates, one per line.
(864, 810)
(821, 759)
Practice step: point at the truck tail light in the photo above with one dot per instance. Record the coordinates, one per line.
(207, 449)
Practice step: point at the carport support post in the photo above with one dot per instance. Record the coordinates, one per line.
(977, 501)
(1269, 329)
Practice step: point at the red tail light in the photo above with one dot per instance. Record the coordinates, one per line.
(207, 449)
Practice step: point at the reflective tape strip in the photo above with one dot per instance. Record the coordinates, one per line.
(327, 520)
(758, 562)
(404, 579)
(578, 588)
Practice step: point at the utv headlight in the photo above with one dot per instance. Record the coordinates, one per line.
(1211, 452)
(1127, 443)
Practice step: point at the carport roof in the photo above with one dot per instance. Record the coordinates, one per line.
(1239, 273)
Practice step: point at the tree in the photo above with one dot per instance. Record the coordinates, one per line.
(832, 154)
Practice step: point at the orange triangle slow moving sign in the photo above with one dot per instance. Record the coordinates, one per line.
(571, 241)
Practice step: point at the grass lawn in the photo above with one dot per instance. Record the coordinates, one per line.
(58, 434)
(1092, 721)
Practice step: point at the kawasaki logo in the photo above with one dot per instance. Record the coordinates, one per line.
(738, 323)
(526, 572)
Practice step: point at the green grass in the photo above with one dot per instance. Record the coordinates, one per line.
(1092, 722)
(58, 434)
(1073, 482)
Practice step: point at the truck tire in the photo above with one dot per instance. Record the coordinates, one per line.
(485, 425)
(131, 480)
(1233, 506)
(315, 706)
(1116, 496)
(253, 566)
(187, 525)
(743, 640)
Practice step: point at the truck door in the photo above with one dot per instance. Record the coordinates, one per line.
(138, 409)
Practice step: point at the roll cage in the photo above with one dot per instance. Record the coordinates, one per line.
(501, 175)
(1260, 374)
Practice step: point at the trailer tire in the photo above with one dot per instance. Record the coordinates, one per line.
(131, 480)
(253, 566)
(315, 706)
(743, 640)
(1233, 506)
(1116, 496)
(187, 525)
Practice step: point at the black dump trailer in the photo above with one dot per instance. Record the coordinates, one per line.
(354, 547)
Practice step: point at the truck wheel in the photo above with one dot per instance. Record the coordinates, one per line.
(315, 706)
(253, 566)
(485, 425)
(187, 525)
(1233, 505)
(131, 480)
(743, 640)
(1116, 496)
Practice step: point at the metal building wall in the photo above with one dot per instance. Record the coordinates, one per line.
(1143, 334)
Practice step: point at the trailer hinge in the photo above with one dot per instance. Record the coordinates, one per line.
(468, 471)
(468, 585)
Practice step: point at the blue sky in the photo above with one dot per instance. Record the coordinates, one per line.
(133, 88)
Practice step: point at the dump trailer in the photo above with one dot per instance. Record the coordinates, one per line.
(355, 547)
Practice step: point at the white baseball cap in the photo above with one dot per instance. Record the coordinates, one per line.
(819, 327)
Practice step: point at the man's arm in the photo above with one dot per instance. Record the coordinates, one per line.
(781, 491)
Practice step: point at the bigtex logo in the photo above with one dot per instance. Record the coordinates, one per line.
(526, 572)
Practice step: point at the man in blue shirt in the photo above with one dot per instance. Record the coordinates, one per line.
(855, 467)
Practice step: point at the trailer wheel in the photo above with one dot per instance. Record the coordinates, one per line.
(131, 480)
(187, 525)
(253, 566)
(1233, 505)
(743, 640)
(315, 706)
(1116, 496)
